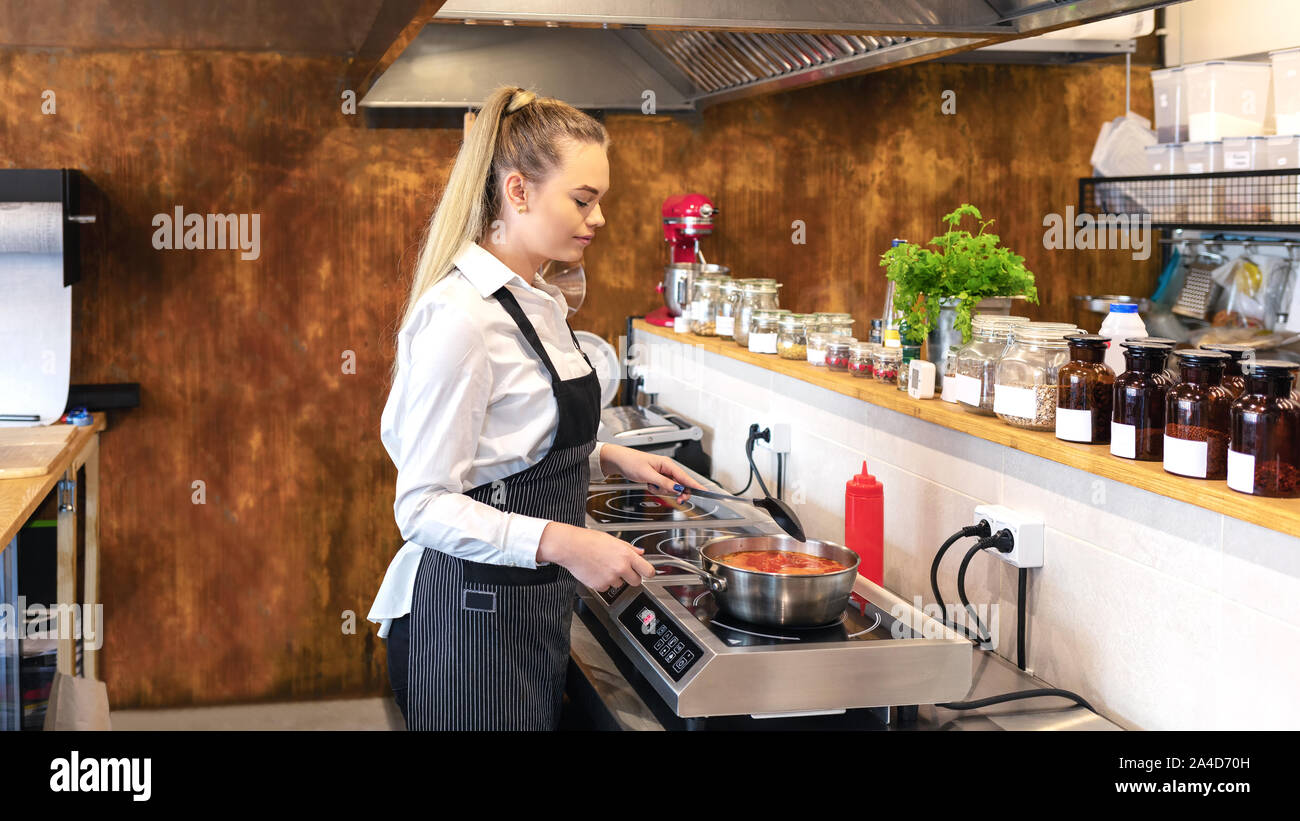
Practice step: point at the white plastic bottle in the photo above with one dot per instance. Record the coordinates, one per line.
(1121, 323)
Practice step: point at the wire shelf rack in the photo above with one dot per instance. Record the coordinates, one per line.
(1222, 201)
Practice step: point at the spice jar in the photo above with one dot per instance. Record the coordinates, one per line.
(977, 361)
(861, 360)
(792, 336)
(1084, 399)
(1233, 378)
(1264, 432)
(886, 363)
(763, 331)
(910, 352)
(1197, 417)
(1137, 429)
(838, 349)
(817, 347)
(728, 302)
(755, 295)
(877, 331)
(1025, 386)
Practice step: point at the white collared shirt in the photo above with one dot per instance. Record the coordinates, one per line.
(471, 403)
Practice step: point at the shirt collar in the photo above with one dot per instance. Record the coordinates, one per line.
(484, 271)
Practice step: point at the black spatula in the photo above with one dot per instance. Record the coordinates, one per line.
(781, 512)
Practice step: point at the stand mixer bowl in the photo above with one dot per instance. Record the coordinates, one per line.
(678, 279)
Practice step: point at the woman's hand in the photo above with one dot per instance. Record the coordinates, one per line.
(647, 468)
(596, 559)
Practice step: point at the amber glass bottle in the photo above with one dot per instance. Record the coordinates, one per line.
(1196, 417)
(1265, 432)
(1137, 428)
(1086, 392)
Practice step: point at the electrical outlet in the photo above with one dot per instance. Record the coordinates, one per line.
(780, 438)
(1026, 530)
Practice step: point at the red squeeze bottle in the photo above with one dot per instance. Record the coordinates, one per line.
(864, 524)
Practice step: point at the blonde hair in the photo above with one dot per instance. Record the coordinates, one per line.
(514, 130)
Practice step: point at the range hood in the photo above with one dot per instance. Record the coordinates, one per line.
(684, 55)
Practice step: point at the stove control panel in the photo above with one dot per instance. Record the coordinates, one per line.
(666, 643)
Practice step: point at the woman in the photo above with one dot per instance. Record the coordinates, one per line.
(491, 422)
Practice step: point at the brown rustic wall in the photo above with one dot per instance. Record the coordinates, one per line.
(243, 598)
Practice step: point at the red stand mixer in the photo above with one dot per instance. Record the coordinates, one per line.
(686, 217)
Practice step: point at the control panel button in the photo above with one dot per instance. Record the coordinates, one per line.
(680, 665)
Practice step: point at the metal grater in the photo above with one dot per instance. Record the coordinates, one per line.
(1198, 294)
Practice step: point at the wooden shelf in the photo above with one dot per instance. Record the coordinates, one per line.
(1282, 515)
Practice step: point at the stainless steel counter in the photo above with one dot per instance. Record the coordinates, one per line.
(601, 688)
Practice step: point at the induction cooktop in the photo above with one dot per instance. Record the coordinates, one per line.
(636, 506)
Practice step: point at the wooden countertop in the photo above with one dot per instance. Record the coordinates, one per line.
(19, 498)
(1282, 515)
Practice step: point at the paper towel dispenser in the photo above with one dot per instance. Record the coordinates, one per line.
(59, 185)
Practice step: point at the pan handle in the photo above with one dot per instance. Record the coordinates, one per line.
(716, 583)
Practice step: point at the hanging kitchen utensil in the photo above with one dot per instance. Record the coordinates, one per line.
(781, 512)
(569, 277)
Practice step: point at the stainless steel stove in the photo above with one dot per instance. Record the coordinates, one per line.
(702, 664)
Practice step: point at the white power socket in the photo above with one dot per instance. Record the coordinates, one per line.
(780, 438)
(1026, 530)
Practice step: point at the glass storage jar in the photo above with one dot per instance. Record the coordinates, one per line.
(835, 324)
(886, 362)
(817, 348)
(792, 336)
(728, 301)
(1086, 393)
(706, 294)
(763, 331)
(1170, 372)
(1197, 417)
(755, 295)
(977, 361)
(1233, 378)
(1137, 428)
(1028, 374)
(861, 357)
(910, 352)
(838, 349)
(1264, 432)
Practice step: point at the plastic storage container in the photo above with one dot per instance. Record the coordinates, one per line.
(1165, 204)
(977, 361)
(1226, 99)
(1085, 397)
(1280, 153)
(1137, 429)
(1028, 375)
(1197, 417)
(1242, 199)
(1264, 432)
(1167, 84)
(1203, 197)
(1286, 89)
(1122, 322)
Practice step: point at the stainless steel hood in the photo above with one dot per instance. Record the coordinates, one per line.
(689, 54)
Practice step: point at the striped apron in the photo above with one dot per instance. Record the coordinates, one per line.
(489, 644)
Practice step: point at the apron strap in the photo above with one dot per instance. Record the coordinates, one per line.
(511, 305)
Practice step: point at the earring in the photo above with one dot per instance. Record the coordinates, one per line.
(523, 208)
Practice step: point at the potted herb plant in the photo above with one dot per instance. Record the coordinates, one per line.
(936, 291)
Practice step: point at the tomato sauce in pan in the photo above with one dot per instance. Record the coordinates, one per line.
(787, 562)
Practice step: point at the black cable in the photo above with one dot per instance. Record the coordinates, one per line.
(754, 468)
(980, 629)
(1004, 697)
(982, 529)
(1020, 618)
(749, 455)
(780, 476)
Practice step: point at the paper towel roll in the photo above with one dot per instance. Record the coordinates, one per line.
(35, 313)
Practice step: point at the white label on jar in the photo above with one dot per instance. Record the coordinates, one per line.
(698, 309)
(1020, 402)
(967, 390)
(816, 356)
(1074, 425)
(725, 325)
(762, 343)
(1185, 457)
(1123, 440)
(1241, 471)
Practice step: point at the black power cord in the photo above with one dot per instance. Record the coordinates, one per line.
(1020, 617)
(754, 435)
(1004, 697)
(981, 530)
(1004, 541)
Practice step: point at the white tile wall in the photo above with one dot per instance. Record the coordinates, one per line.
(1162, 614)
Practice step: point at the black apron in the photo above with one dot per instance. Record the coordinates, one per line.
(489, 644)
